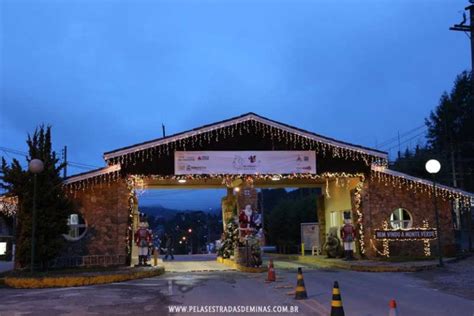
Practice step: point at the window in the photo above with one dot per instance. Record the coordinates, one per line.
(333, 219)
(3, 248)
(4, 229)
(77, 227)
(400, 219)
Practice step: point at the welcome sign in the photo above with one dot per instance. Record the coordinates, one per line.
(244, 162)
(406, 234)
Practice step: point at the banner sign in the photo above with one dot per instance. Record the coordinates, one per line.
(244, 162)
(406, 234)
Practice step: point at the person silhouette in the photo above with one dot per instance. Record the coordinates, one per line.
(169, 246)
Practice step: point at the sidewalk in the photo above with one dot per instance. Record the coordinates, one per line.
(360, 265)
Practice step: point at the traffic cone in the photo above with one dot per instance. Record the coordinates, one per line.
(271, 272)
(300, 292)
(336, 303)
(393, 308)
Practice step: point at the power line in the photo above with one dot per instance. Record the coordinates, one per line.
(14, 151)
(79, 167)
(408, 140)
(70, 163)
(398, 137)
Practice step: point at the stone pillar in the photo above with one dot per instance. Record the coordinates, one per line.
(247, 196)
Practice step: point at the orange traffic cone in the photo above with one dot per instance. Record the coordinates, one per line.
(393, 308)
(271, 272)
(300, 293)
(336, 304)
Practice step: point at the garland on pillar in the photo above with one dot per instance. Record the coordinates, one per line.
(132, 199)
(360, 219)
(426, 242)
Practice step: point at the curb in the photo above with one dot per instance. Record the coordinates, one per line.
(359, 268)
(241, 268)
(73, 281)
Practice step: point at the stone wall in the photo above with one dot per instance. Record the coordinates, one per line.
(105, 210)
(247, 196)
(380, 200)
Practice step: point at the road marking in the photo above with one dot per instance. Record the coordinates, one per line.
(320, 309)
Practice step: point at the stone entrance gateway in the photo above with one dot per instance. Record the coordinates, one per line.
(354, 180)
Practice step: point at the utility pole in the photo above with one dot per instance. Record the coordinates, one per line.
(163, 128)
(65, 162)
(468, 29)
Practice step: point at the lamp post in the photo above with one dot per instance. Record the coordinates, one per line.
(36, 166)
(433, 166)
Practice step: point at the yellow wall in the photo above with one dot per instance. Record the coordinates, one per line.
(338, 201)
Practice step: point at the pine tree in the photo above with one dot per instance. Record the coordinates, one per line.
(52, 204)
(451, 132)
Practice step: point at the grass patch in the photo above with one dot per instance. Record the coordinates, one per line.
(65, 278)
(64, 271)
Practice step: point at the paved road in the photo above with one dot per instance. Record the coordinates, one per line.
(363, 294)
(194, 263)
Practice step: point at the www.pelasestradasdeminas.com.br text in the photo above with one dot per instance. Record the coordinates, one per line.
(224, 309)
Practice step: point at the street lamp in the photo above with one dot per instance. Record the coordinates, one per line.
(36, 166)
(433, 166)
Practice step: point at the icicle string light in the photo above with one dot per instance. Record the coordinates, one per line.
(249, 126)
(420, 186)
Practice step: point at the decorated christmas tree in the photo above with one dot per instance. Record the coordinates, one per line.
(231, 240)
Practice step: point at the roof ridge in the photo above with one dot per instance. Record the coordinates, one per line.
(250, 115)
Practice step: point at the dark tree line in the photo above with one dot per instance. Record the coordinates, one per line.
(283, 214)
(450, 138)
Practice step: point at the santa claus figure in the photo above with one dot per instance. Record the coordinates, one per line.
(245, 220)
(143, 240)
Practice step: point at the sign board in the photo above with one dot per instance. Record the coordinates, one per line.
(406, 234)
(244, 162)
(310, 235)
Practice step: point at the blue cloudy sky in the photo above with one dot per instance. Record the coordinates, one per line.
(106, 74)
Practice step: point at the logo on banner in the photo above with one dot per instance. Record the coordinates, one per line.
(240, 163)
